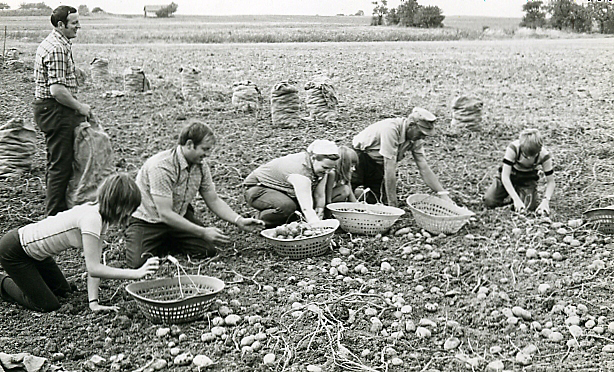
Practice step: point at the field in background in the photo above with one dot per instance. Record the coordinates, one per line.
(104, 29)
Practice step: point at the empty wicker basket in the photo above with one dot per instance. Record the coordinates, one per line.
(175, 300)
(436, 215)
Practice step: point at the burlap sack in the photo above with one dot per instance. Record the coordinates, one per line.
(17, 147)
(246, 96)
(285, 105)
(467, 114)
(93, 162)
(321, 99)
(99, 69)
(135, 80)
(190, 83)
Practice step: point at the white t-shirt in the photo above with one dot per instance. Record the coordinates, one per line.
(55, 234)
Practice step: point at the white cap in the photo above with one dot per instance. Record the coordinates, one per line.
(323, 147)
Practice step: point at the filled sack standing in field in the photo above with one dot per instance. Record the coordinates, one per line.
(246, 96)
(285, 105)
(12, 54)
(135, 80)
(92, 163)
(321, 99)
(17, 147)
(467, 114)
(190, 82)
(99, 69)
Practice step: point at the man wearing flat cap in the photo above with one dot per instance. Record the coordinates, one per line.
(382, 145)
(293, 182)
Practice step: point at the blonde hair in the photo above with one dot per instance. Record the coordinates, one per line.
(347, 159)
(118, 197)
(530, 142)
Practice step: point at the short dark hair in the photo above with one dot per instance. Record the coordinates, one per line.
(118, 197)
(197, 132)
(61, 14)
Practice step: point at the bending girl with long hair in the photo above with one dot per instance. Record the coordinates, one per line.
(26, 254)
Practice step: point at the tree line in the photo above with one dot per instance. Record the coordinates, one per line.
(45, 9)
(409, 14)
(568, 15)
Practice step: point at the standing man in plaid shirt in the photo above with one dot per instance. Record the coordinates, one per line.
(57, 111)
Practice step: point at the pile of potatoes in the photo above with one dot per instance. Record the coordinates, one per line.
(297, 230)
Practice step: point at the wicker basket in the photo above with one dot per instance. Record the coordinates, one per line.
(602, 218)
(436, 215)
(363, 218)
(306, 247)
(166, 301)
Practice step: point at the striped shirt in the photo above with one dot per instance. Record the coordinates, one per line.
(168, 174)
(54, 65)
(388, 139)
(512, 158)
(55, 234)
(275, 173)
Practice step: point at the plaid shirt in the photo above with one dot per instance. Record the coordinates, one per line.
(168, 174)
(54, 65)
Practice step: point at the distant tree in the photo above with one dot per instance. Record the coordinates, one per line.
(380, 10)
(429, 17)
(603, 14)
(84, 10)
(407, 11)
(566, 14)
(97, 10)
(4, 6)
(41, 6)
(167, 11)
(392, 18)
(535, 16)
(360, 13)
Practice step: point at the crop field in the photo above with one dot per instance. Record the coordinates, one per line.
(105, 29)
(508, 291)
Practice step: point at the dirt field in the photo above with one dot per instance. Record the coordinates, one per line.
(474, 278)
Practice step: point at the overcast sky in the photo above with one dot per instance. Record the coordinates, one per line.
(491, 8)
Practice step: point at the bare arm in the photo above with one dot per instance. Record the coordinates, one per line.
(390, 181)
(92, 251)
(302, 188)
(164, 206)
(223, 211)
(506, 171)
(330, 183)
(63, 96)
(319, 195)
(544, 206)
(427, 174)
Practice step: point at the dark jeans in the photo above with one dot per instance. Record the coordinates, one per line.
(58, 123)
(524, 183)
(31, 283)
(144, 240)
(369, 173)
(276, 208)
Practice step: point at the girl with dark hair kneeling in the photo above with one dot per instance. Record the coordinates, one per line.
(26, 254)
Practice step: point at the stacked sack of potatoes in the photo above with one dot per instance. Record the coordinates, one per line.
(285, 105)
(135, 80)
(245, 95)
(321, 99)
(93, 161)
(17, 147)
(99, 69)
(190, 82)
(467, 114)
